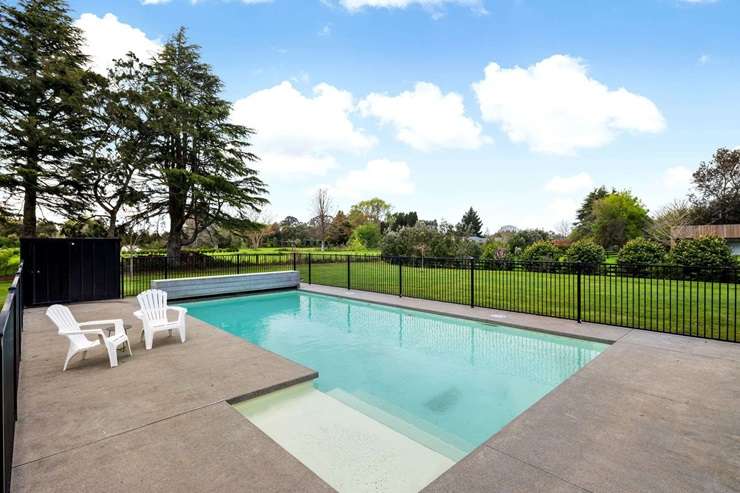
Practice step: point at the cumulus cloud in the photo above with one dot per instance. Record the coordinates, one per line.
(555, 107)
(570, 184)
(425, 118)
(107, 38)
(380, 176)
(297, 133)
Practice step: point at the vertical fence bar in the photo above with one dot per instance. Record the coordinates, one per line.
(309, 268)
(294, 261)
(400, 278)
(578, 292)
(349, 281)
(472, 282)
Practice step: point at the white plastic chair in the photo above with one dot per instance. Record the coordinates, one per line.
(78, 342)
(153, 314)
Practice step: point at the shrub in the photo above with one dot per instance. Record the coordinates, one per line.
(586, 252)
(540, 255)
(366, 236)
(641, 251)
(706, 251)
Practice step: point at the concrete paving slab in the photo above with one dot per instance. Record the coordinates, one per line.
(211, 449)
(491, 471)
(691, 345)
(63, 411)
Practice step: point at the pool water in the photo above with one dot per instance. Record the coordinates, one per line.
(448, 383)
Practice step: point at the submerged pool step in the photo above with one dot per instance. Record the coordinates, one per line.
(346, 448)
(370, 407)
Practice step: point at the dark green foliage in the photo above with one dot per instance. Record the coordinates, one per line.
(88, 228)
(399, 220)
(43, 101)
(521, 239)
(366, 236)
(641, 251)
(119, 145)
(717, 182)
(586, 252)
(470, 224)
(340, 229)
(540, 251)
(426, 241)
(707, 251)
(200, 173)
(618, 218)
(584, 217)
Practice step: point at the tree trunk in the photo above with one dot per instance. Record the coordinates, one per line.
(29, 207)
(112, 223)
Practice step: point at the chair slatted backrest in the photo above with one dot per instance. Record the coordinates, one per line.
(66, 323)
(153, 304)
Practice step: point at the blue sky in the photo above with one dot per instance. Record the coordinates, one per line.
(396, 100)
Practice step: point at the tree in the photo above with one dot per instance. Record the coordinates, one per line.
(618, 218)
(522, 238)
(399, 220)
(118, 152)
(678, 213)
(340, 229)
(43, 94)
(88, 228)
(321, 207)
(373, 210)
(366, 236)
(717, 182)
(200, 174)
(470, 224)
(261, 227)
(584, 216)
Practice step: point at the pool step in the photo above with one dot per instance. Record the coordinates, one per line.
(370, 406)
(345, 447)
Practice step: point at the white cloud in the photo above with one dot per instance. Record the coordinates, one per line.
(425, 118)
(356, 5)
(555, 107)
(154, 2)
(297, 134)
(106, 38)
(570, 184)
(704, 59)
(678, 178)
(379, 177)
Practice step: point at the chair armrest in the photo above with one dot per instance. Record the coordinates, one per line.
(116, 323)
(97, 332)
(181, 311)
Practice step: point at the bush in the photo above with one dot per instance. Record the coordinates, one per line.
(9, 260)
(586, 252)
(706, 251)
(641, 251)
(540, 251)
(366, 236)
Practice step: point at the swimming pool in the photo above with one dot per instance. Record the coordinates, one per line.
(457, 380)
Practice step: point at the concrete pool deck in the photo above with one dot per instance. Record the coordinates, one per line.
(654, 412)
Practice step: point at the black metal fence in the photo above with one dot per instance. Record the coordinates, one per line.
(700, 302)
(11, 327)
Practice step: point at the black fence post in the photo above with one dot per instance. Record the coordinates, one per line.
(578, 292)
(166, 266)
(309, 268)
(400, 277)
(472, 282)
(238, 262)
(349, 280)
(295, 263)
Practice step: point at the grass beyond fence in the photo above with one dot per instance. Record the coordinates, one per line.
(703, 306)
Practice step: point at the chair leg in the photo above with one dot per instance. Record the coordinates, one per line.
(70, 353)
(84, 354)
(128, 345)
(181, 330)
(148, 339)
(112, 355)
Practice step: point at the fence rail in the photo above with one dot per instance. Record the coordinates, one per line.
(11, 327)
(700, 302)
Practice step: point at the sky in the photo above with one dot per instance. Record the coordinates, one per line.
(514, 107)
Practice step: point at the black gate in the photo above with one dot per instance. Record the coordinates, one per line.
(66, 270)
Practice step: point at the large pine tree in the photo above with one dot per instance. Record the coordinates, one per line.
(43, 85)
(200, 174)
(471, 224)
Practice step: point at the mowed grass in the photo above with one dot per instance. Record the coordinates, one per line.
(707, 309)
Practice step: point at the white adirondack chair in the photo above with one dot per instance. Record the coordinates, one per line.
(78, 342)
(153, 314)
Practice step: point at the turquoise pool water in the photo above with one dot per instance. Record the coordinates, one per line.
(457, 380)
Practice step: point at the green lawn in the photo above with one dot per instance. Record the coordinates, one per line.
(685, 307)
